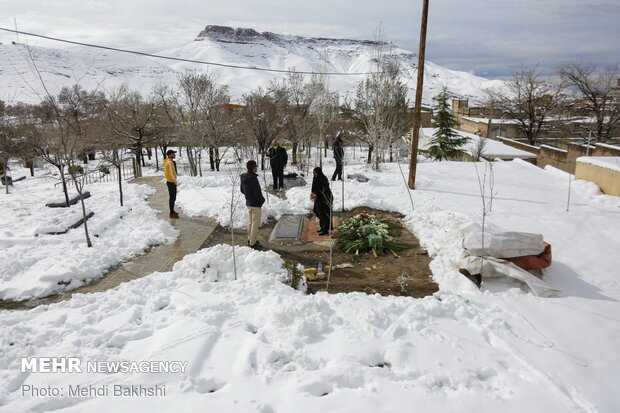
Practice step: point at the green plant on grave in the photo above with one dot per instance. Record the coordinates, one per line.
(292, 267)
(104, 169)
(365, 231)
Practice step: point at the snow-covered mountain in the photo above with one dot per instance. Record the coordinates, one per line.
(220, 44)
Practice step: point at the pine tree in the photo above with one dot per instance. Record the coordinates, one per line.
(446, 142)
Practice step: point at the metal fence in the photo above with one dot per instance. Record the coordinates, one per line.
(98, 175)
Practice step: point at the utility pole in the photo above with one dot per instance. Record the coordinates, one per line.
(418, 98)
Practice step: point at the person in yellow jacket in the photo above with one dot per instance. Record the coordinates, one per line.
(170, 173)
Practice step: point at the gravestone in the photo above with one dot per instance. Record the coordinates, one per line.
(288, 230)
(72, 201)
(292, 180)
(358, 177)
(72, 226)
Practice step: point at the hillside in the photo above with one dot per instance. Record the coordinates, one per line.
(243, 47)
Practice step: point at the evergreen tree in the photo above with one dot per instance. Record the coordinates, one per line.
(446, 142)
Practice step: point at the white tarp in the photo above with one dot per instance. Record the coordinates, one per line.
(496, 267)
(503, 244)
(487, 261)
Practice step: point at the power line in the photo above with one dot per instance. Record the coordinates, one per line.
(179, 59)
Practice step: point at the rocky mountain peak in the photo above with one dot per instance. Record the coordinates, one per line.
(227, 34)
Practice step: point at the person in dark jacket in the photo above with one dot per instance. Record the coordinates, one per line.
(323, 200)
(254, 200)
(338, 155)
(278, 158)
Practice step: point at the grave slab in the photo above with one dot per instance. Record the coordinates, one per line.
(72, 201)
(288, 229)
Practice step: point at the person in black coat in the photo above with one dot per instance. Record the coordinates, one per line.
(323, 200)
(254, 200)
(338, 155)
(278, 159)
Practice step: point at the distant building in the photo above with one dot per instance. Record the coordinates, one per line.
(484, 121)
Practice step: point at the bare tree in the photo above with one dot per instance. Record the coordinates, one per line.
(131, 118)
(599, 93)
(9, 146)
(67, 128)
(529, 100)
(264, 117)
(166, 117)
(194, 93)
(380, 109)
(299, 97)
(219, 123)
(324, 111)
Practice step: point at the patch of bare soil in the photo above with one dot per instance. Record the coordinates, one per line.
(407, 275)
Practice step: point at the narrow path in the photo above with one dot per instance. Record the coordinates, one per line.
(193, 232)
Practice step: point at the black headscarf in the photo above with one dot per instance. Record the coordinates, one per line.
(320, 187)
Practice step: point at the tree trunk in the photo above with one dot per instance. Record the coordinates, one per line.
(192, 162)
(262, 159)
(294, 153)
(88, 243)
(211, 158)
(138, 168)
(120, 182)
(217, 159)
(64, 186)
(369, 160)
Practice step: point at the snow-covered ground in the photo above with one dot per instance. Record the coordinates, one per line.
(36, 264)
(256, 345)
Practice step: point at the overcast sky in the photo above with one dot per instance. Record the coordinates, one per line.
(490, 38)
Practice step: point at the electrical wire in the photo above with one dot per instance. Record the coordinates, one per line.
(179, 59)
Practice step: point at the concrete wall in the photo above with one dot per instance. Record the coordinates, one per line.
(471, 126)
(520, 145)
(606, 150)
(607, 179)
(566, 159)
(548, 155)
(575, 150)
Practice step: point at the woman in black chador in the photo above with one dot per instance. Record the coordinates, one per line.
(323, 200)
